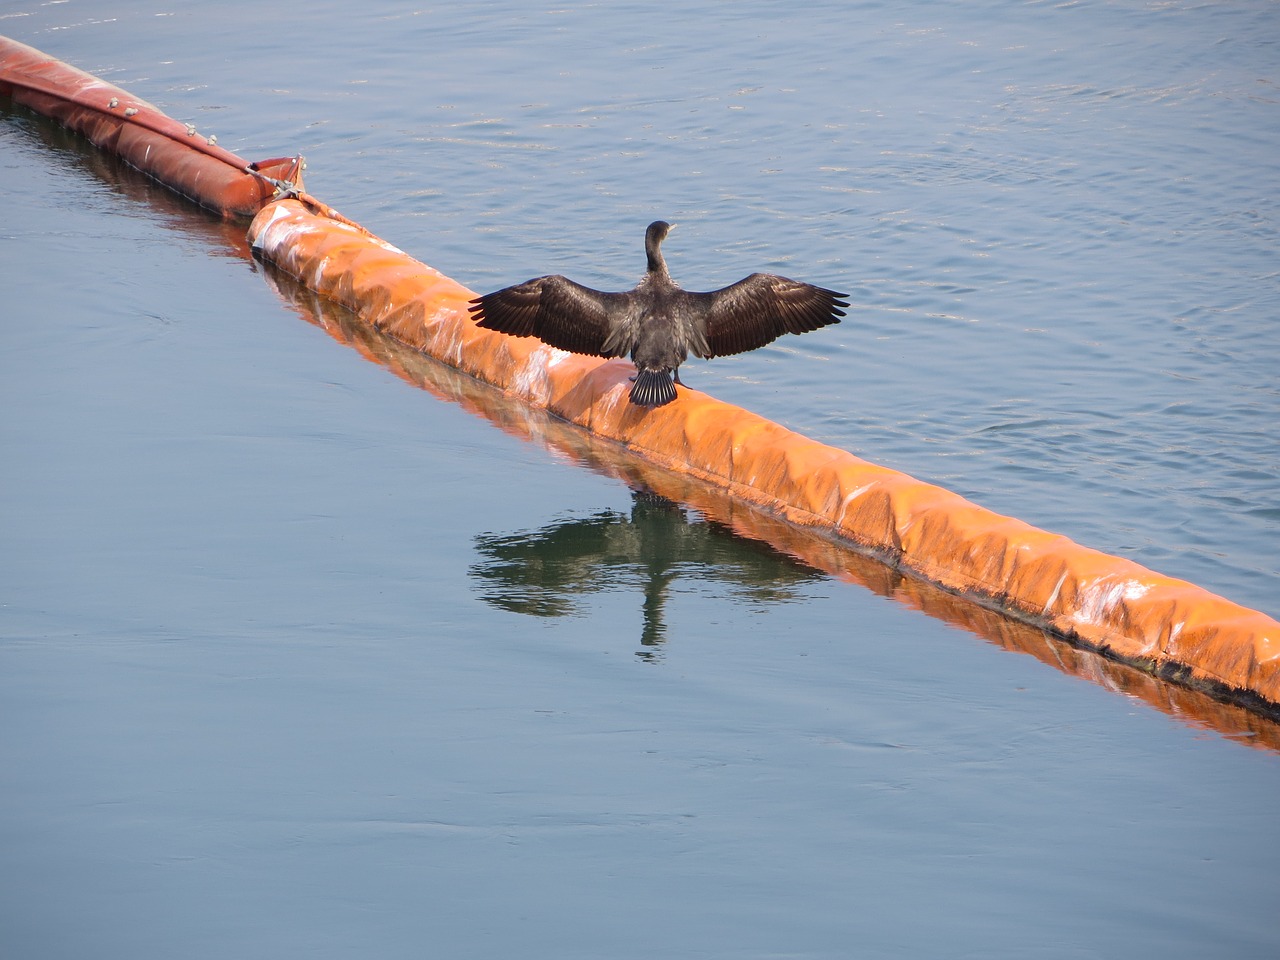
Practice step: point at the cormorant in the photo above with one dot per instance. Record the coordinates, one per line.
(658, 323)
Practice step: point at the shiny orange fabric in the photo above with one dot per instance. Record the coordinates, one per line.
(1114, 605)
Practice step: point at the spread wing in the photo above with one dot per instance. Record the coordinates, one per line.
(759, 309)
(558, 312)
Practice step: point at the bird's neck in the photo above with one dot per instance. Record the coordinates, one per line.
(657, 266)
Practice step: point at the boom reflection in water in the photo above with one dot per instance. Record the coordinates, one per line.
(546, 572)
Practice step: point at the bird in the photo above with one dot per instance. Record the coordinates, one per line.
(658, 323)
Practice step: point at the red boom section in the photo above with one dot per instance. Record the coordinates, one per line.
(161, 147)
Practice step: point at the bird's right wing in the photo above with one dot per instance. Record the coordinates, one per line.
(558, 312)
(762, 307)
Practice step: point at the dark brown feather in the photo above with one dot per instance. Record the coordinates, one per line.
(658, 323)
(554, 309)
(762, 307)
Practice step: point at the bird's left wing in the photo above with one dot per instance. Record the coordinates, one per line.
(762, 307)
(557, 311)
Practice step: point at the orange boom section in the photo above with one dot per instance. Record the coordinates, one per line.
(148, 140)
(1173, 628)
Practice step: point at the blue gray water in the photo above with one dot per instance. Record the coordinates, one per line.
(298, 659)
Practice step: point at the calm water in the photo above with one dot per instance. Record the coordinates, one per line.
(296, 659)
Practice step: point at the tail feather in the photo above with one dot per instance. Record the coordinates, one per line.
(652, 388)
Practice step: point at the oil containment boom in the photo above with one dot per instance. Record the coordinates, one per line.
(1167, 627)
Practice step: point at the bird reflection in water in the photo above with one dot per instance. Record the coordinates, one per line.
(544, 573)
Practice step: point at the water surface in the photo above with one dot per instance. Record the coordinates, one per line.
(298, 658)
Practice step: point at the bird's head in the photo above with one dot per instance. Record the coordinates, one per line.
(658, 231)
